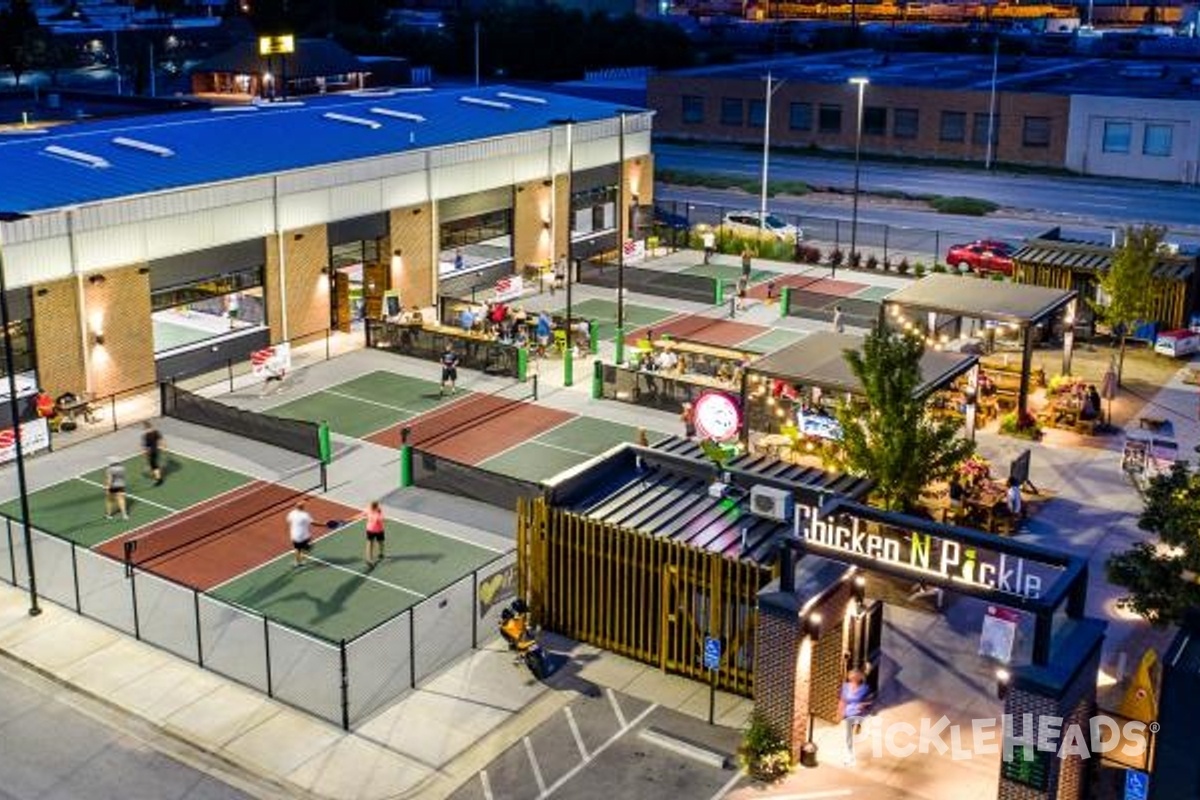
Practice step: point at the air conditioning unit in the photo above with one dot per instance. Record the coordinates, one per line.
(771, 503)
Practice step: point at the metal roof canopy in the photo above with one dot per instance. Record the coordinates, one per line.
(818, 360)
(1096, 258)
(961, 296)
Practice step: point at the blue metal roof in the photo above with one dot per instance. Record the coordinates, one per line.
(213, 146)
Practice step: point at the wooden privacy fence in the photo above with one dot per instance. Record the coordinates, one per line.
(649, 598)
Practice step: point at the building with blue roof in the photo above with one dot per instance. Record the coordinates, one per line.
(155, 247)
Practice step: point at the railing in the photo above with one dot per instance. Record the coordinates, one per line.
(651, 389)
(343, 682)
(486, 355)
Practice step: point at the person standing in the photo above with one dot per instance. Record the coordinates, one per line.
(854, 700)
(743, 285)
(542, 331)
(747, 257)
(152, 447)
(114, 489)
(375, 534)
(709, 240)
(838, 325)
(1012, 497)
(449, 361)
(299, 523)
(688, 418)
(458, 260)
(233, 307)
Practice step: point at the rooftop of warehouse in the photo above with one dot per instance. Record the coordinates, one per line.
(1176, 80)
(95, 161)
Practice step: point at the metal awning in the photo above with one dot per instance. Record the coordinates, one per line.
(819, 360)
(1095, 259)
(961, 296)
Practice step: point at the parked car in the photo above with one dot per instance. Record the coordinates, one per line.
(1177, 344)
(665, 218)
(982, 255)
(748, 223)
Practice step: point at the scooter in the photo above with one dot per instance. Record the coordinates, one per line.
(521, 635)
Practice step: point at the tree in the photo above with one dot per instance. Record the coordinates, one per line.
(1161, 576)
(889, 437)
(22, 40)
(1127, 284)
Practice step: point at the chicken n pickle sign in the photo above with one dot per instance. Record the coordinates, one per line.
(925, 555)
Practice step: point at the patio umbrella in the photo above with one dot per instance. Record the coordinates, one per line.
(1108, 389)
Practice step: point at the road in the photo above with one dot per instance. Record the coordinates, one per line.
(58, 744)
(1093, 201)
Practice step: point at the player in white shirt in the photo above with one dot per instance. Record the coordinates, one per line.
(300, 530)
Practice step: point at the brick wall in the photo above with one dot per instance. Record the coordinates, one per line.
(119, 305)
(562, 216)
(828, 663)
(411, 233)
(776, 683)
(666, 93)
(58, 337)
(531, 237)
(639, 180)
(271, 289)
(305, 254)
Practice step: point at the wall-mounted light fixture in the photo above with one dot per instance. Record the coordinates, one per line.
(634, 195)
(397, 252)
(96, 280)
(297, 237)
(98, 338)
(1003, 678)
(143, 270)
(546, 224)
(859, 588)
(416, 211)
(547, 183)
(811, 626)
(42, 292)
(324, 270)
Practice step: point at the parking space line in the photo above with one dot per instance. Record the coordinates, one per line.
(612, 698)
(487, 785)
(575, 732)
(728, 787)
(571, 773)
(537, 770)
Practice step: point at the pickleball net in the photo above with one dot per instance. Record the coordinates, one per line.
(239, 510)
(295, 435)
(456, 418)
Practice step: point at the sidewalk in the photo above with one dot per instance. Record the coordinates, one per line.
(424, 746)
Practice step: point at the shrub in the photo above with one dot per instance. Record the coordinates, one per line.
(1023, 426)
(939, 268)
(872, 262)
(967, 206)
(855, 259)
(919, 270)
(764, 753)
(903, 266)
(835, 257)
(807, 254)
(996, 276)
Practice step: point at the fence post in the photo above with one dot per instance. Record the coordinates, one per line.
(593, 336)
(522, 364)
(475, 605)
(345, 686)
(569, 362)
(114, 411)
(267, 656)
(785, 300)
(406, 476)
(328, 336)
(412, 650)
(12, 556)
(597, 379)
(837, 234)
(199, 640)
(137, 626)
(718, 291)
(75, 579)
(229, 371)
(937, 245)
(324, 447)
(535, 386)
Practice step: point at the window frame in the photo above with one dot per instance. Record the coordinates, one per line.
(1170, 141)
(831, 109)
(875, 121)
(692, 110)
(1111, 145)
(944, 124)
(727, 105)
(1030, 128)
(904, 131)
(808, 116)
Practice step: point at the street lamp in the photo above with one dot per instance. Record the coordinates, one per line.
(762, 206)
(624, 223)
(861, 83)
(34, 609)
(568, 354)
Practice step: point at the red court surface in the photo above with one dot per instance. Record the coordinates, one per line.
(475, 428)
(252, 531)
(705, 330)
(809, 283)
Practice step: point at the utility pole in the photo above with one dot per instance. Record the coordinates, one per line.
(991, 134)
(762, 205)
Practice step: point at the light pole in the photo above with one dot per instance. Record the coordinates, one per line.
(991, 134)
(762, 205)
(34, 609)
(568, 353)
(861, 83)
(624, 223)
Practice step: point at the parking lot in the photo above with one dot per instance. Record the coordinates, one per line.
(610, 745)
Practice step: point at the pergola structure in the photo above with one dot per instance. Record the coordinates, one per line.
(960, 297)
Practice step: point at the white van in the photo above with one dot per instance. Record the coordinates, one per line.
(1178, 343)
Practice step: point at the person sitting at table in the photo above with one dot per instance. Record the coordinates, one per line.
(466, 319)
(725, 372)
(46, 407)
(521, 337)
(666, 360)
(1093, 401)
(1012, 497)
(497, 313)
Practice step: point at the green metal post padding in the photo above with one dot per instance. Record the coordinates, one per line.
(785, 300)
(718, 291)
(620, 345)
(522, 363)
(593, 336)
(597, 379)
(569, 366)
(324, 447)
(406, 478)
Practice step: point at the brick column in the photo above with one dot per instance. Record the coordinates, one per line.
(117, 306)
(1064, 689)
(58, 337)
(531, 218)
(413, 255)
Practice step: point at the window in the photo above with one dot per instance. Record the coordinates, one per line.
(1037, 132)
(758, 112)
(188, 314)
(1117, 136)
(829, 118)
(954, 126)
(905, 123)
(731, 111)
(693, 109)
(1157, 141)
(800, 117)
(979, 128)
(875, 121)
(20, 332)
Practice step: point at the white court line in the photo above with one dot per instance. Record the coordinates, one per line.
(487, 785)
(612, 699)
(371, 578)
(356, 398)
(137, 497)
(724, 790)
(537, 770)
(571, 773)
(527, 441)
(583, 753)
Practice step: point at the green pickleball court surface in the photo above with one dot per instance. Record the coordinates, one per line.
(74, 509)
(366, 404)
(604, 312)
(336, 597)
(772, 340)
(563, 447)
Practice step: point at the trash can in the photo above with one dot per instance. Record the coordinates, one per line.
(808, 754)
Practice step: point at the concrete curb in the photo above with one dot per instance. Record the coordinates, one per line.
(687, 749)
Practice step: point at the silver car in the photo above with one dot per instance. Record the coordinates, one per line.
(749, 223)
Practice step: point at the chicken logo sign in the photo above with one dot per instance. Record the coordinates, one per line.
(35, 436)
(271, 362)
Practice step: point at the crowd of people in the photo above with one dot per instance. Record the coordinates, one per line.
(512, 324)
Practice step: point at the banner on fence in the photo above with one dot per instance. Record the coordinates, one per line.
(35, 436)
(271, 362)
(510, 287)
(635, 250)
